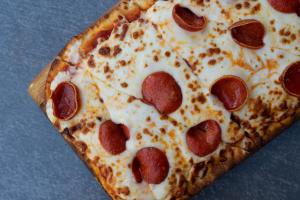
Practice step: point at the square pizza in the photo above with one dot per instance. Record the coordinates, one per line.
(159, 98)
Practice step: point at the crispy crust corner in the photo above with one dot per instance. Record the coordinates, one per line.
(92, 166)
(203, 174)
(277, 127)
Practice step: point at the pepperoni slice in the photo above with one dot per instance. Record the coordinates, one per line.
(125, 131)
(285, 6)
(248, 33)
(204, 138)
(188, 20)
(161, 90)
(291, 79)
(150, 165)
(136, 170)
(232, 91)
(113, 137)
(298, 11)
(66, 101)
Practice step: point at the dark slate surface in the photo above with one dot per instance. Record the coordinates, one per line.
(35, 162)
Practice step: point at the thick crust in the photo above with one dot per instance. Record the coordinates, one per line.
(277, 127)
(205, 173)
(100, 173)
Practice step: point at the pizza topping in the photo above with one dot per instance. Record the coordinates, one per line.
(232, 91)
(204, 138)
(291, 79)
(161, 90)
(188, 20)
(248, 33)
(125, 130)
(104, 51)
(66, 101)
(285, 6)
(150, 165)
(136, 170)
(113, 137)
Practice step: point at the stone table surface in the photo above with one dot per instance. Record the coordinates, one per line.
(36, 163)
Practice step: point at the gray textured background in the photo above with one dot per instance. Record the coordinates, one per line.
(35, 162)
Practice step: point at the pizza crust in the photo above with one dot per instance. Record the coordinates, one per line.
(203, 173)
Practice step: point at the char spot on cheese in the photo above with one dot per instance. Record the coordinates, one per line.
(151, 165)
(246, 4)
(106, 69)
(66, 101)
(238, 6)
(104, 51)
(91, 62)
(161, 90)
(122, 62)
(131, 99)
(113, 137)
(124, 31)
(167, 53)
(136, 35)
(212, 62)
(117, 50)
(124, 85)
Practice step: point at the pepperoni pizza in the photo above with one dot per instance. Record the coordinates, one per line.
(161, 97)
